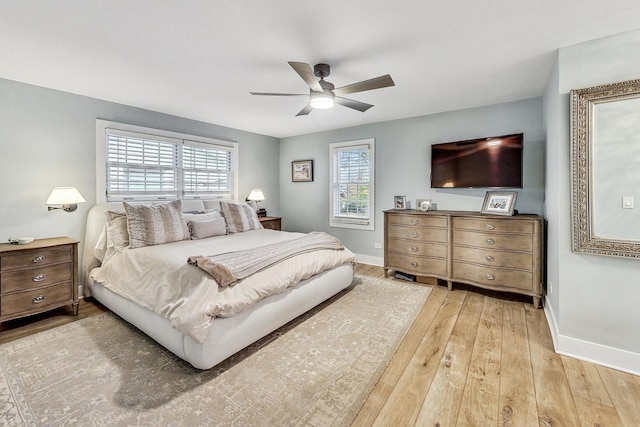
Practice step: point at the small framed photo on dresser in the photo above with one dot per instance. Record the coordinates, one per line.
(499, 202)
(302, 171)
(400, 202)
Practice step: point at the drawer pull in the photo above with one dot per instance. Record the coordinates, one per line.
(414, 222)
(489, 227)
(491, 241)
(489, 258)
(490, 277)
(414, 249)
(38, 277)
(39, 258)
(414, 234)
(414, 264)
(38, 299)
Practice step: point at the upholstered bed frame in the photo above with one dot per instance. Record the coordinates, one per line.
(226, 335)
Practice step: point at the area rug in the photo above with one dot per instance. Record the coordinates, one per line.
(316, 370)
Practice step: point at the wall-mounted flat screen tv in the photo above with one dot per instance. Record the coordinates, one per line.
(494, 162)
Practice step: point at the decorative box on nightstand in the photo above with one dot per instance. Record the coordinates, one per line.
(38, 277)
(271, 222)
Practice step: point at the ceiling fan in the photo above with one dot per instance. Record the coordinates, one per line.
(323, 94)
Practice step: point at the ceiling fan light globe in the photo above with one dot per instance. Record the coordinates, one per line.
(322, 101)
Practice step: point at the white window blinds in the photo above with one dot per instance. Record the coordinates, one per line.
(207, 170)
(144, 166)
(352, 185)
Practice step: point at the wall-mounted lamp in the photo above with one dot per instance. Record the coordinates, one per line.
(65, 198)
(256, 196)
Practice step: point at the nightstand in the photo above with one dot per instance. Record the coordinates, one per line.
(271, 222)
(38, 277)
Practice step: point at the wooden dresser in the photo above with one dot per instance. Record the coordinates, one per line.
(502, 253)
(38, 276)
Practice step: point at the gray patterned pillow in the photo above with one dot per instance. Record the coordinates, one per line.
(154, 225)
(117, 229)
(207, 228)
(239, 217)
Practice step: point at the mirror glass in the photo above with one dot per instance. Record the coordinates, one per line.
(605, 139)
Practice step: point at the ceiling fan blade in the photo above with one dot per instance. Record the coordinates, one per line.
(305, 111)
(374, 83)
(356, 105)
(305, 71)
(278, 94)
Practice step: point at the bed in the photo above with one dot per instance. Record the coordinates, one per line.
(202, 339)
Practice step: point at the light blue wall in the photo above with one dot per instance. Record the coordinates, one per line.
(595, 308)
(403, 166)
(47, 139)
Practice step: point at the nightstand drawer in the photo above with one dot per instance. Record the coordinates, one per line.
(35, 258)
(36, 299)
(19, 280)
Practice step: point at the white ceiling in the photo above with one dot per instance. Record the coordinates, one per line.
(200, 58)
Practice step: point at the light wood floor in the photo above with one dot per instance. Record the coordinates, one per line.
(471, 358)
(477, 358)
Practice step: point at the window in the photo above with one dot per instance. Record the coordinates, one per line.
(149, 164)
(352, 184)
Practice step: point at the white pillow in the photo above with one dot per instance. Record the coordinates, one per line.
(202, 216)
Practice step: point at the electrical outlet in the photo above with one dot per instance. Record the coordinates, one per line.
(627, 202)
(377, 245)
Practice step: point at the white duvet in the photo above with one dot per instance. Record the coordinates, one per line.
(159, 278)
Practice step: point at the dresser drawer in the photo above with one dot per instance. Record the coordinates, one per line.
(417, 265)
(492, 276)
(19, 280)
(519, 260)
(493, 240)
(36, 299)
(418, 220)
(35, 258)
(438, 250)
(440, 235)
(493, 225)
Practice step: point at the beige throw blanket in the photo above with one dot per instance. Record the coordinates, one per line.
(229, 268)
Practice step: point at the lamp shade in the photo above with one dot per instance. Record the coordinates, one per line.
(256, 195)
(65, 196)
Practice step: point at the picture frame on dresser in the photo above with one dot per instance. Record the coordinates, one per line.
(499, 202)
(302, 171)
(399, 202)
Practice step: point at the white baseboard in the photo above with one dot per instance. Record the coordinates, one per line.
(610, 357)
(370, 260)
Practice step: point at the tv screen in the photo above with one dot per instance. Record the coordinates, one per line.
(494, 162)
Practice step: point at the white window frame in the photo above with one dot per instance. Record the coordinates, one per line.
(359, 223)
(102, 127)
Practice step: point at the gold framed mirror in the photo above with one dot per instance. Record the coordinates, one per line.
(605, 169)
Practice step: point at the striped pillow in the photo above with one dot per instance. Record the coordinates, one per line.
(154, 225)
(239, 217)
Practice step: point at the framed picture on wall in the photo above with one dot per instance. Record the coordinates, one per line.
(400, 202)
(499, 202)
(302, 171)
